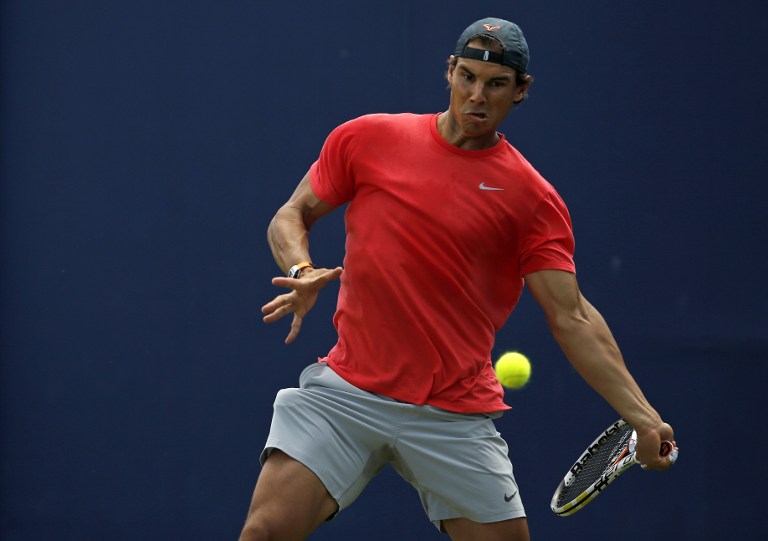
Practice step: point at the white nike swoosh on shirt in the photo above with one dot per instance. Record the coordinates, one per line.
(484, 187)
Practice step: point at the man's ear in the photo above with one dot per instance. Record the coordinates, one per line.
(521, 92)
(451, 69)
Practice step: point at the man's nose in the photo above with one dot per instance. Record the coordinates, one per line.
(478, 93)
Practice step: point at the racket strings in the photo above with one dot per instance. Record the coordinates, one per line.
(606, 455)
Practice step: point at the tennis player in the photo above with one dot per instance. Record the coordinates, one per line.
(446, 222)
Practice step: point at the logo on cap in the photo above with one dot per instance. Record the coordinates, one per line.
(491, 28)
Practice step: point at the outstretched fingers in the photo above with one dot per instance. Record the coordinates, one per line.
(300, 299)
(295, 328)
(277, 308)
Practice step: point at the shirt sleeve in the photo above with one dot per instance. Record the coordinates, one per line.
(332, 175)
(549, 244)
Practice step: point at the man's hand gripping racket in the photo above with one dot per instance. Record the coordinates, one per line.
(612, 453)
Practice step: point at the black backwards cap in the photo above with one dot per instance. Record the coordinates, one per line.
(515, 49)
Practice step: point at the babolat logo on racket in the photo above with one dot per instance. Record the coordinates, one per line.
(582, 462)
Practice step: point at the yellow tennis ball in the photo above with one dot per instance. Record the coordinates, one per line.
(513, 369)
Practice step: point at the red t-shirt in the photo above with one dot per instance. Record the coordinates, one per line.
(438, 242)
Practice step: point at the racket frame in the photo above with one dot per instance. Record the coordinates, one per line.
(626, 459)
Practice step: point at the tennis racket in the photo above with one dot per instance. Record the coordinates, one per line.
(611, 454)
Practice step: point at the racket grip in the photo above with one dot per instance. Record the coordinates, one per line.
(668, 449)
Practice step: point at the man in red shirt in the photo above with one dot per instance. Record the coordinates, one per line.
(446, 223)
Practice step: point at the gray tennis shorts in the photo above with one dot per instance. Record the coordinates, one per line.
(457, 462)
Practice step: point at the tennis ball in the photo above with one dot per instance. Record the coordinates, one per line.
(513, 370)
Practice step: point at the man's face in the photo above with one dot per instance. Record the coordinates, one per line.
(482, 94)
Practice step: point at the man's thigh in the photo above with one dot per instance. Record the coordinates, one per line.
(337, 431)
(289, 501)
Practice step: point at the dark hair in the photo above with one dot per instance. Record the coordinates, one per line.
(488, 41)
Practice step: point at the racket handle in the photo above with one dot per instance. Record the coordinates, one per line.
(668, 449)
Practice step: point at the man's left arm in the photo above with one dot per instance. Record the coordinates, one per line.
(589, 345)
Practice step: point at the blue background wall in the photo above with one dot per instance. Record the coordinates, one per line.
(146, 145)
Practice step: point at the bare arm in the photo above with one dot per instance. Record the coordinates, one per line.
(288, 232)
(288, 236)
(588, 343)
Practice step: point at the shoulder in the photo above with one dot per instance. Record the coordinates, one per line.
(534, 179)
(384, 121)
(377, 130)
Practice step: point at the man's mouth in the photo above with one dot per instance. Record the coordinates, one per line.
(478, 116)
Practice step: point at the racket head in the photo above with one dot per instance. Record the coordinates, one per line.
(612, 452)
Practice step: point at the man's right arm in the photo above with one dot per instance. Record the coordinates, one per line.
(288, 236)
(288, 232)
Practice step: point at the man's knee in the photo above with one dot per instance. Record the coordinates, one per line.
(265, 527)
(256, 531)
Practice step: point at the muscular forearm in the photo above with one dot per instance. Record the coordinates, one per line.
(288, 232)
(588, 343)
(288, 237)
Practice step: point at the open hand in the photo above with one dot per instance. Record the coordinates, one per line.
(300, 299)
